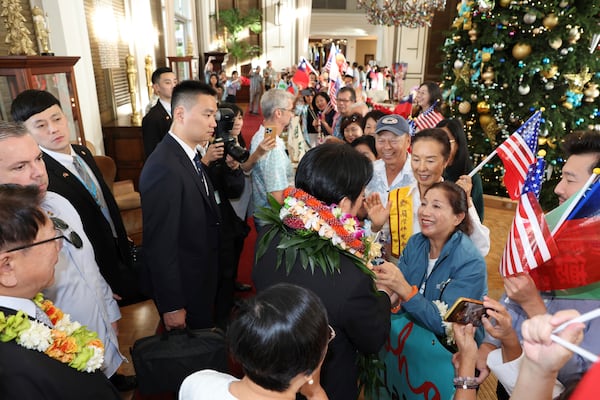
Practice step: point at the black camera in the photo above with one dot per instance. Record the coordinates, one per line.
(225, 118)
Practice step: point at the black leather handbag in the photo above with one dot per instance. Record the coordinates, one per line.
(164, 360)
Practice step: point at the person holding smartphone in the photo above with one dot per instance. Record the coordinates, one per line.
(438, 265)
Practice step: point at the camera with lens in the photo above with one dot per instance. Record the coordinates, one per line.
(225, 119)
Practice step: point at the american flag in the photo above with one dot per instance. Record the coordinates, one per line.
(530, 242)
(427, 119)
(518, 153)
(331, 58)
(335, 79)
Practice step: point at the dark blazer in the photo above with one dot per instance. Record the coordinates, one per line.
(155, 125)
(29, 374)
(181, 234)
(113, 256)
(359, 316)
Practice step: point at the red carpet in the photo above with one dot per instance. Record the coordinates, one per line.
(251, 125)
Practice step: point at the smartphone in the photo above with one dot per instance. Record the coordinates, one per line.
(270, 131)
(466, 311)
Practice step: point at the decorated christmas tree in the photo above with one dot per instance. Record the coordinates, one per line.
(506, 59)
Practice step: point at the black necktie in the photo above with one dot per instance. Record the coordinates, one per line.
(201, 171)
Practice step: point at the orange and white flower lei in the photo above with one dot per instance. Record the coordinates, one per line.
(68, 342)
(300, 210)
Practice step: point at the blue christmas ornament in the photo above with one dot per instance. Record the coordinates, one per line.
(546, 60)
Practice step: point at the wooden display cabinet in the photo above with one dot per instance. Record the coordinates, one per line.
(53, 74)
(184, 67)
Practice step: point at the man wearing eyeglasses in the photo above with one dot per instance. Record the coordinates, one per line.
(346, 98)
(273, 172)
(79, 288)
(73, 173)
(29, 250)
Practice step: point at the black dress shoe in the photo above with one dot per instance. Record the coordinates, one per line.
(124, 383)
(242, 287)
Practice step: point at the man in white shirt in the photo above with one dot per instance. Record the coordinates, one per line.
(79, 288)
(157, 121)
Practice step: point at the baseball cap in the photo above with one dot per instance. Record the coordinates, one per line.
(393, 123)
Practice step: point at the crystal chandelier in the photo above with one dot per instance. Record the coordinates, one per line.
(409, 13)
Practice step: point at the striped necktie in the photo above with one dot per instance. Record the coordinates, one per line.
(87, 181)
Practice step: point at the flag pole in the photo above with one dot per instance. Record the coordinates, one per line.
(481, 164)
(578, 197)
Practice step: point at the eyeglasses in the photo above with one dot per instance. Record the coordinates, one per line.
(59, 225)
(343, 100)
(287, 109)
(73, 237)
(391, 142)
(331, 334)
(352, 118)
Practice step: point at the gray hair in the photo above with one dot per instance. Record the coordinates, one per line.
(11, 129)
(274, 99)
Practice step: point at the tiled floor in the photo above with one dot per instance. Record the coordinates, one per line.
(141, 319)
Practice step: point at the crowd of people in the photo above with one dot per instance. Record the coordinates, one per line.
(362, 244)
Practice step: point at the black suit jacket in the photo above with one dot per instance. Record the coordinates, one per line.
(155, 125)
(113, 256)
(359, 316)
(181, 234)
(29, 374)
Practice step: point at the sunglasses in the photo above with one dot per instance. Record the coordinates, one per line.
(60, 225)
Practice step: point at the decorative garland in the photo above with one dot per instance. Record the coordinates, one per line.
(315, 232)
(68, 342)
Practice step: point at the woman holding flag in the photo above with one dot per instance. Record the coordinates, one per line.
(426, 112)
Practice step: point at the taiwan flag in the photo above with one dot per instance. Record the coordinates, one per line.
(578, 242)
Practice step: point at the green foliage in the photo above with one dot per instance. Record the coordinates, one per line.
(235, 23)
(514, 88)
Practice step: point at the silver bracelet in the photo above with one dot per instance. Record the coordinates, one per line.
(465, 383)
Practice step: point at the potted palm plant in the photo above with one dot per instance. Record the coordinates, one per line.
(233, 23)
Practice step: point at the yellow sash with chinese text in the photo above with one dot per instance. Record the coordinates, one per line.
(401, 218)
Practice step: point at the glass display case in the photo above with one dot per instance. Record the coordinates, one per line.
(53, 74)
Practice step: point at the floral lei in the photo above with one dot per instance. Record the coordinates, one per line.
(68, 342)
(316, 232)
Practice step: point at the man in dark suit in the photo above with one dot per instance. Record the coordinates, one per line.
(29, 247)
(181, 216)
(73, 174)
(157, 121)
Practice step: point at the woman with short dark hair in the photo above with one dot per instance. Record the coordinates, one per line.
(314, 241)
(280, 338)
(351, 127)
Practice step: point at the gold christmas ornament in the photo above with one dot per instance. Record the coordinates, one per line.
(485, 120)
(550, 21)
(521, 51)
(574, 35)
(591, 92)
(567, 105)
(464, 107)
(555, 43)
(473, 35)
(550, 73)
(578, 81)
(483, 107)
(486, 57)
(488, 76)
(504, 3)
